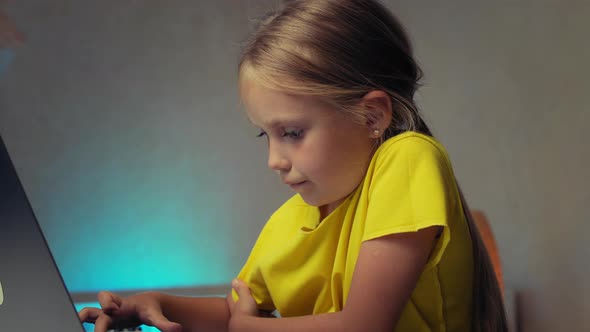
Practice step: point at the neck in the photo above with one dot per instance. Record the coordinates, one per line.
(325, 210)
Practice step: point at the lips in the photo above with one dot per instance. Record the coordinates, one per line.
(294, 184)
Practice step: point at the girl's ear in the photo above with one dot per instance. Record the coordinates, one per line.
(378, 107)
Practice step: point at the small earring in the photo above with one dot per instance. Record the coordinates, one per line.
(376, 132)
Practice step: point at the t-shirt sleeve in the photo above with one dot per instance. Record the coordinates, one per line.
(412, 187)
(252, 275)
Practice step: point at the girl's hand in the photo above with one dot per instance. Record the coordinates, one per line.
(245, 305)
(119, 313)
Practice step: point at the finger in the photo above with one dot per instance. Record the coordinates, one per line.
(246, 302)
(241, 288)
(109, 302)
(89, 315)
(103, 322)
(158, 320)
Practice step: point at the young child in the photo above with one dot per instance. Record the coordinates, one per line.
(377, 236)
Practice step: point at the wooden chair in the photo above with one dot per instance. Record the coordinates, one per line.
(510, 295)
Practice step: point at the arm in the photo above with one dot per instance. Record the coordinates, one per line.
(196, 313)
(166, 312)
(385, 275)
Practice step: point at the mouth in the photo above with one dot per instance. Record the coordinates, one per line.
(295, 185)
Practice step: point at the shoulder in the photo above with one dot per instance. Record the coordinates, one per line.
(410, 185)
(279, 225)
(410, 162)
(411, 144)
(289, 212)
(407, 153)
(293, 204)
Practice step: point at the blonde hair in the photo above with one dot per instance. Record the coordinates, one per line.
(340, 50)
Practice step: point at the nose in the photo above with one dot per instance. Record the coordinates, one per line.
(276, 159)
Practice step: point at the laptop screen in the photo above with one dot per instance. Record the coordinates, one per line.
(34, 297)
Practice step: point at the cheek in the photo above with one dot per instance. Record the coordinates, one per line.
(351, 159)
(333, 162)
(313, 158)
(336, 154)
(315, 162)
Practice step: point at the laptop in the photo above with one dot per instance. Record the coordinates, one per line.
(33, 297)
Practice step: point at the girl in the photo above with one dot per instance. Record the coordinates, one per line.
(378, 236)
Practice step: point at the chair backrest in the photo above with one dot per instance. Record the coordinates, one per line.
(485, 231)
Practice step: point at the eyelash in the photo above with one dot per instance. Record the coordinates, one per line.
(293, 134)
(290, 134)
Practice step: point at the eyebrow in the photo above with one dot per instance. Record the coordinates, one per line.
(277, 122)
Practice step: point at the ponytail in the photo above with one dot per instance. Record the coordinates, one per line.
(487, 309)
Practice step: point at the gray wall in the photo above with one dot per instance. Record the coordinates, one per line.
(505, 90)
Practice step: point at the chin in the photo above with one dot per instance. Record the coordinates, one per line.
(319, 202)
(310, 201)
(313, 201)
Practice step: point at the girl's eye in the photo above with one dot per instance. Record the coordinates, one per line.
(261, 133)
(293, 134)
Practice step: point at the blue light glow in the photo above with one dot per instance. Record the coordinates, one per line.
(135, 220)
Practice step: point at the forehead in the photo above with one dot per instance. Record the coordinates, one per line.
(267, 107)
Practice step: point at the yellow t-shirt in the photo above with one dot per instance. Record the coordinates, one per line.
(300, 266)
